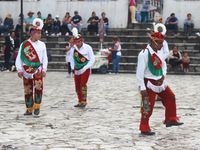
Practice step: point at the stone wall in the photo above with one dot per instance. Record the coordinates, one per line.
(116, 11)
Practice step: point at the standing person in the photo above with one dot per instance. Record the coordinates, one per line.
(19, 24)
(188, 25)
(186, 61)
(76, 22)
(8, 50)
(7, 24)
(66, 20)
(69, 49)
(82, 61)
(145, 10)
(31, 65)
(93, 23)
(116, 54)
(151, 72)
(1, 26)
(105, 21)
(56, 25)
(132, 8)
(171, 23)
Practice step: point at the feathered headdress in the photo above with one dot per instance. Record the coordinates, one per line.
(37, 24)
(76, 36)
(159, 31)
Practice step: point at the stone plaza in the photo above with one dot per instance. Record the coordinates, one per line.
(110, 121)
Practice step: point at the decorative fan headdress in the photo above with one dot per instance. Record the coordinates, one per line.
(37, 24)
(75, 34)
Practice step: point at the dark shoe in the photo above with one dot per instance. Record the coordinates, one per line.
(148, 133)
(82, 105)
(158, 99)
(27, 113)
(172, 123)
(77, 105)
(36, 111)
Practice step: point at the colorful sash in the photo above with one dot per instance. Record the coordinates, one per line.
(29, 55)
(155, 64)
(79, 60)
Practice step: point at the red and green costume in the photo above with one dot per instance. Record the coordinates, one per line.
(32, 76)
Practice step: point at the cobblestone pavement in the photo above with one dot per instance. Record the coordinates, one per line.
(110, 120)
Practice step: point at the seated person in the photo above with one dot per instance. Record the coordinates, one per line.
(76, 22)
(7, 24)
(40, 16)
(18, 26)
(188, 25)
(175, 58)
(172, 23)
(29, 20)
(105, 21)
(48, 23)
(66, 20)
(56, 25)
(93, 23)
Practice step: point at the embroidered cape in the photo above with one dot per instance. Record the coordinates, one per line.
(79, 60)
(155, 64)
(29, 55)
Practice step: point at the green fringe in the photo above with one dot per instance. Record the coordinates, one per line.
(153, 70)
(26, 61)
(78, 65)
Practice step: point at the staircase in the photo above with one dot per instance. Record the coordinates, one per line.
(132, 41)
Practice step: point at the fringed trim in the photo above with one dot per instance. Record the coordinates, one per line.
(144, 128)
(171, 119)
(84, 102)
(155, 88)
(30, 110)
(30, 75)
(36, 106)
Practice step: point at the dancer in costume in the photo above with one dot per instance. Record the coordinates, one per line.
(151, 72)
(31, 64)
(82, 61)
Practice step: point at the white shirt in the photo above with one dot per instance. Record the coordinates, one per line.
(119, 49)
(40, 48)
(143, 70)
(87, 52)
(165, 50)
(68, 53)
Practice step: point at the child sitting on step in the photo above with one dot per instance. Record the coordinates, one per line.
(186, 61)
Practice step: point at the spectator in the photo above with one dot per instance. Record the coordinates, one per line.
(66, 21)
(188, 25)
(56, 25)
(8, 49)
(76, 22)
(93, 23)
(69, 49)
(29, 20)
(145, 10)
(1, 26)
(8, 24)
(40, 16)
(19, 24)
(105, 21)
(172, 23)
(48, 23)
(116, 54)
(132, 8)
(186, 61)
(175, 58)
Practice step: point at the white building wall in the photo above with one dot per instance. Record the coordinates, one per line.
(181, 8)
(116, 11)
